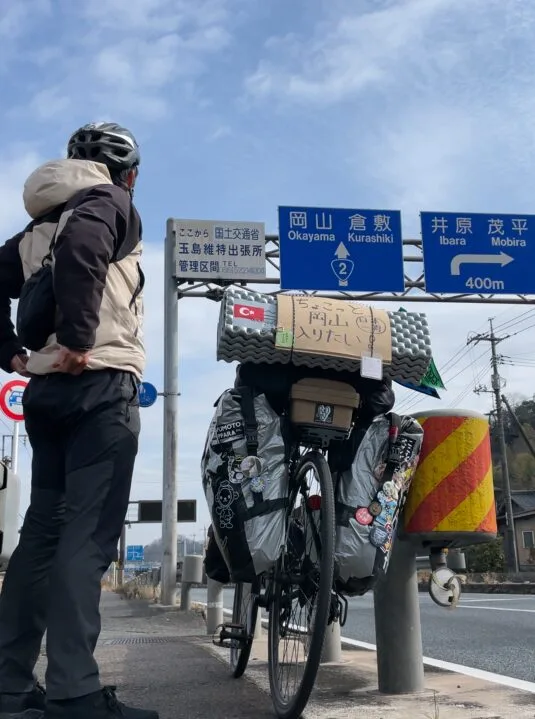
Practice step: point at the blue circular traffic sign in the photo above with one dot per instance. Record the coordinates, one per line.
(148, 394)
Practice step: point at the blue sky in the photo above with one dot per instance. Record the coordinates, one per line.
(242, 105)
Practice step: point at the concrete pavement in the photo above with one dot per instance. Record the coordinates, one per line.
(494, 633)
(162, 659)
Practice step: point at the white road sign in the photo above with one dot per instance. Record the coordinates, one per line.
(220, 250)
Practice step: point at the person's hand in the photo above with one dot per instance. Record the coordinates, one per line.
(18, 365)
(71, 361)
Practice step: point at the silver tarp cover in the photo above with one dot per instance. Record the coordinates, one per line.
(359, 486)
(225, 478)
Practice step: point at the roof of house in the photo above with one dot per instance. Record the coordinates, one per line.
(523, 501)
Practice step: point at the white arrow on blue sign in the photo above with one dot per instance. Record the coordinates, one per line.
(476, 253)
(334, 249)
(148, 394)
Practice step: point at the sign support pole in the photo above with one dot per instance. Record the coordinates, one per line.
(398, 631)
(15, 448)
(122, 545)
(170, 423)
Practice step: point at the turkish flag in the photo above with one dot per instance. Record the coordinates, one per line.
(246, 312)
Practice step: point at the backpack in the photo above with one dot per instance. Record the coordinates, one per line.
(36, 310)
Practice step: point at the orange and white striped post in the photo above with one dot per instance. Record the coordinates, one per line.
(451, 498)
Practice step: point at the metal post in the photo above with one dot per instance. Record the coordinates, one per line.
(191, 574)
(214, 607)
(185, 597)
(332, 646)
(457, 561)
(258, 625)
(170, 424)
(397, 625)
(122, 547)
(15, 449)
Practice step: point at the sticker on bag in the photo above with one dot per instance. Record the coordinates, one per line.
(230, 432)
(324, 413)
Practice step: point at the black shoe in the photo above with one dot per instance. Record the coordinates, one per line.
(29, 705)
(99, 705)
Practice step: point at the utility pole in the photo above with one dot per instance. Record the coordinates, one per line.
(511, 549)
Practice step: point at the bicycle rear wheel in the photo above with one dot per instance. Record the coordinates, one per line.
(303, 581)
(244, 616)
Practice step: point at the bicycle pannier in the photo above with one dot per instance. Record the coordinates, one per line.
(214, 563)
(370, 497)
(245, 480)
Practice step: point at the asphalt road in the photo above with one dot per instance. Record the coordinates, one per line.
(494, 632)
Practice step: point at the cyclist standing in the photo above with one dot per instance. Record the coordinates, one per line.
(82, 418)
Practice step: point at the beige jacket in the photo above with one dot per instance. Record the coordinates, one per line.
(117, 340)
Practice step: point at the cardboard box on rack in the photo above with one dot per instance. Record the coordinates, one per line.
(338, 328)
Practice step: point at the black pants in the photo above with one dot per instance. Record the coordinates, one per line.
(84, 436)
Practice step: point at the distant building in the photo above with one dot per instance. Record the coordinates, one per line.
(523, 501)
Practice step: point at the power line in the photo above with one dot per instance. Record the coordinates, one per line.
(410, 402)
(519, 332)
(462, 353)
(469, 387)
(505, 326)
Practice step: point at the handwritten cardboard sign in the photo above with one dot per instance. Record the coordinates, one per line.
(339, 328)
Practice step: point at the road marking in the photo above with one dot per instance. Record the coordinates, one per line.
(500, 599)
(459, 669)
(497, 609)
(501, 679)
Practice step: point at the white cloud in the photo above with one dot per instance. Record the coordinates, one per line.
(219, 133)
(348, 52)
(156, 16)
(16, 163)
(50, 102)
(15, 15)
(125, 59)
(383, 47)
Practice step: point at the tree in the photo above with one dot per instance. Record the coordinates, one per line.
(485, 557)
(521, 462)
(522, 470)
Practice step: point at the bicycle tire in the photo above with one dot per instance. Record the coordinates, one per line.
(239, 654)
(293, 707)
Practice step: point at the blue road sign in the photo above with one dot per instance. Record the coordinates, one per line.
(331, 249)
(467, 253)
(148, 394)
(135, 553)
